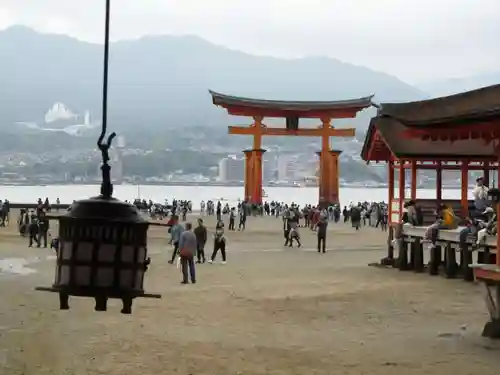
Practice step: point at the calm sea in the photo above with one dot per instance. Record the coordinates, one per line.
(303, 195)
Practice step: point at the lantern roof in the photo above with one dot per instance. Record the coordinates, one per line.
(103, 208)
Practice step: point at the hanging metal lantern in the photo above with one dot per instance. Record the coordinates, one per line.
(102, 253)
(102, 241)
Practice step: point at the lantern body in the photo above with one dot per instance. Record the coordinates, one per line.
(103, 250)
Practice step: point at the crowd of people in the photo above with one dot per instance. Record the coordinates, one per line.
(34, 224)
(189, 242)
(480, 221)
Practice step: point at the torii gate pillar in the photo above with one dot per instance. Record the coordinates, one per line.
(328, 177)
(253, 175)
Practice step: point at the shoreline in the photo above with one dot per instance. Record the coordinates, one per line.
(354, 185)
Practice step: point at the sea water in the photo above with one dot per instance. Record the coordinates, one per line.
(158, 193)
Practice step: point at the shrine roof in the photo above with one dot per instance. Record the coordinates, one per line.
(470, 106)
(290, 106)
(386, 139)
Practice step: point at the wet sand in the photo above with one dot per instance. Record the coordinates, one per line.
(269, 310)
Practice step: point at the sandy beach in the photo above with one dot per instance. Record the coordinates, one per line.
(269, 310)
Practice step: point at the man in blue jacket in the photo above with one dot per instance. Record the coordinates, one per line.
(175, 233)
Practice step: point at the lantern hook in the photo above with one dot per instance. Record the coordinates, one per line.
(106, 186)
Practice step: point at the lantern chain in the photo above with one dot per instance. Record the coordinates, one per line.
(106, 186)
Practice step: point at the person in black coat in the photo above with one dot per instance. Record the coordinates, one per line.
(321, 227)
(201, 238)
(43, 229)
(33, 231)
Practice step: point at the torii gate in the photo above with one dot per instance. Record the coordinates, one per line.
(292, 111)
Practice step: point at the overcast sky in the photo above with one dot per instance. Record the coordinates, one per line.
(416, 40)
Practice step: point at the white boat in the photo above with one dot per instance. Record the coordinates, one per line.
(264, 194)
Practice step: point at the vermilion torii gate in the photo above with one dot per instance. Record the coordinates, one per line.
(292, 111)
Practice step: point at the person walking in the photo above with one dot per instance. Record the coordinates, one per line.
(175, 232)
(243, 218)
(187, 252)
(201, 239)
(43, 229)
(232, 219)
(219, 243)
(33, 230)
(321, 227)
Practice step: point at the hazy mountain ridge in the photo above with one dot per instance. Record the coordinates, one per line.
(456, 85)
(162, 81)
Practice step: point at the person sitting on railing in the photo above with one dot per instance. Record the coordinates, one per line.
(413, 213)
(471, 228)
(490, 228)
(480, 194)
(446, 220)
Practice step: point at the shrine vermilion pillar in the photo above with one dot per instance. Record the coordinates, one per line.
(253, 175)
(335, 187)
(328, 177)
(248, 174)
(257, 176)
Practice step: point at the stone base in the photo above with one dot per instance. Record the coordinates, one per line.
(387, 261)
(492, 329)
(323, 204)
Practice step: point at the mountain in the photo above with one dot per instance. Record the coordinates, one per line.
(162, 81)
(455, 85)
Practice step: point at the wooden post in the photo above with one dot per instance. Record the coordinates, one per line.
(248, 175)
(390, 173)
(486, 173)
(464, 188)
(413, 180)
(253, 175)
(328, 173)
(390, 248)
(439, 183)
(402, 184)
(497, 262)
(335, 172)
(257, 175)
(257, 132)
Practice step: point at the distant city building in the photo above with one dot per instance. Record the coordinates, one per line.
(232, 169)
(268, 172)
(287, 168)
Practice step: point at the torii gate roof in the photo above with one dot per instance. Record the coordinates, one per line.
(242, 106)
